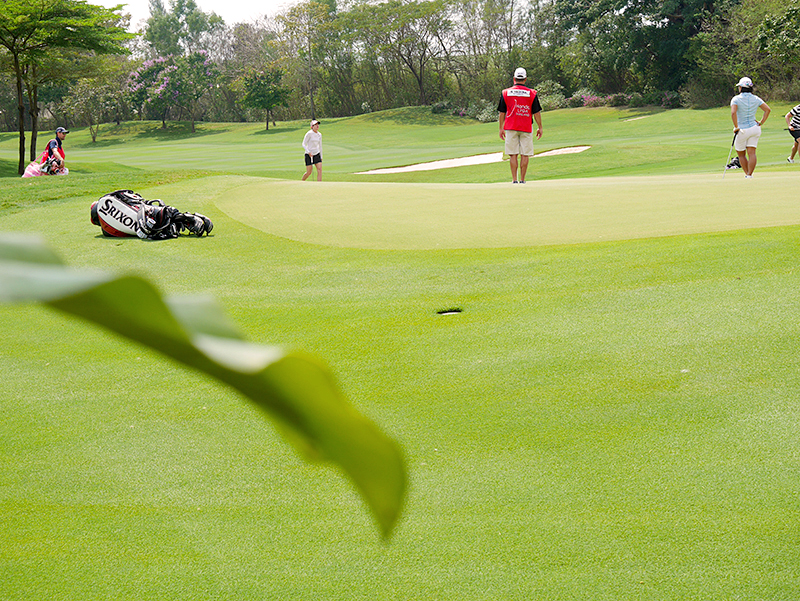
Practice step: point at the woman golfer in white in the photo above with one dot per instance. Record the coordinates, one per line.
(312, 144)
(747, 129)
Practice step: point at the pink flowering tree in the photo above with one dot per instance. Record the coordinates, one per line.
(147, 88)
(173, 82)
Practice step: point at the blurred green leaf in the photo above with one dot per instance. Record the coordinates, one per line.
(295, 390)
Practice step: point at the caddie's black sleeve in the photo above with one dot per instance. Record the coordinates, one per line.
(501, 107)
(536, 107)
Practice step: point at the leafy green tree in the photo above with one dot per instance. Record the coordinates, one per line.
(726, 49)
(47, 82)
(300, 41)
(632, 43)
(342, 92)
(410, 34)
(475, 56)
(779, 35)
(194, 77)
(181, 29)
(32, 30)
(90, 101)
(263, 90)
(246, 47)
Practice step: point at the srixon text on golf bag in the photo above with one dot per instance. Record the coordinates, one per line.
(125, 213)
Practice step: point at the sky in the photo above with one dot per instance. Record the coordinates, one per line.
(232, 11)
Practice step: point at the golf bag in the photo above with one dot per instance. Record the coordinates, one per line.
(126, 213)
(734, 164)
(48, 167)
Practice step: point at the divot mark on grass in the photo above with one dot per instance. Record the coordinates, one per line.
(451, 311)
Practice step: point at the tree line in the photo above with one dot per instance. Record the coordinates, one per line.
(71, 63)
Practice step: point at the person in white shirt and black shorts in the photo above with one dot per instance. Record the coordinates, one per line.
(312, 144)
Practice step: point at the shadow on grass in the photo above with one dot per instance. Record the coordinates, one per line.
(642, 111)
(114, 135)
(9, 168)
(282, 129)
(418, 115)
(106, 167)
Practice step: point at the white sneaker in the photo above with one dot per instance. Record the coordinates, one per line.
(789, 160)
(748, 177)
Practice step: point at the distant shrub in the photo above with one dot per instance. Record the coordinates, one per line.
(549, 88)
(671, 100)
(619, 100)
(574, 102)
(579, 97)
(636, 100)
(706, 94)
(365, 107)
(594, 101)
(442, 107)
(551, 102)
(551, 95)
(652, 97)
(484, 111)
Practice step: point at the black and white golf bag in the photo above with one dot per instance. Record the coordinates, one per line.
(126, 213)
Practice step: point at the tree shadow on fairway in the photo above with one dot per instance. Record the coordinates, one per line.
(8, 168)
(281, 129)
(114, 135)
(418, 115)
(106, 167)
(642, 111)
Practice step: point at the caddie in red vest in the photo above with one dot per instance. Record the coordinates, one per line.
(518, 107)
(55, 147)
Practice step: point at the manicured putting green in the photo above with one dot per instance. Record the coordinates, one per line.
(448, 216)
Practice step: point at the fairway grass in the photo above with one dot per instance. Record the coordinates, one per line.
(624, 142)
(611, 416)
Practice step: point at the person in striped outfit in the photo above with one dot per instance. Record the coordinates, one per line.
(793, 123)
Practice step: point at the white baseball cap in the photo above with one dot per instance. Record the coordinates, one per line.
(520, 73)
(745, 82)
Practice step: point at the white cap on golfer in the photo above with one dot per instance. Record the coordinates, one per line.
(520, 73)
(745, 82)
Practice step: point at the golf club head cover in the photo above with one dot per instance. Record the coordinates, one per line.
(198, 224)
(157, 222)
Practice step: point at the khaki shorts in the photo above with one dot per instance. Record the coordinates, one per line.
(519, 142)
(747, 137)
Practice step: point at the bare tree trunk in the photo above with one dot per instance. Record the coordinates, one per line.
(21, 112)
(311, 83)
(33, 107)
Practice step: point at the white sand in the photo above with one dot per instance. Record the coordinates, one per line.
(478, 159)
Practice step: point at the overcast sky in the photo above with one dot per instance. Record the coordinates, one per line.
(233, 11)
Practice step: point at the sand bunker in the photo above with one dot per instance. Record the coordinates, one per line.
(478, 159)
